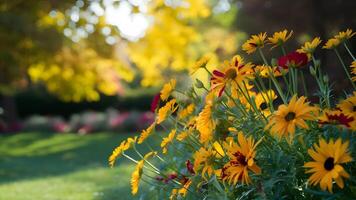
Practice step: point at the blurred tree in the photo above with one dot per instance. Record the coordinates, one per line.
(78, 49)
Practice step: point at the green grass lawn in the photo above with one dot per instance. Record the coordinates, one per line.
(62, 166)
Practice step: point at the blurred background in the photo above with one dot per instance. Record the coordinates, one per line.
(92, 68)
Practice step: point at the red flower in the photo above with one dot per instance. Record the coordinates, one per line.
(172, 176)
(338, 118)
(189, 167)
(155, 102)
(293, 59)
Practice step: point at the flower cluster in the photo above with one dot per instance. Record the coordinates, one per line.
(252, 131)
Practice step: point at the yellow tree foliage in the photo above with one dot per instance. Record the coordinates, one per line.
(172, 43)
(78, 73)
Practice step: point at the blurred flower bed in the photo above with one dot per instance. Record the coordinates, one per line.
(111, 120)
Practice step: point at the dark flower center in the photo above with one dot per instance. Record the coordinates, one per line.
(290, 116)
(231, 74)
(354, 108)
(329, 163)
(263, 106)
(240, 159)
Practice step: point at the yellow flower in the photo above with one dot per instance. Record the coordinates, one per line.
(205, 123)
(263, 101)
(348, 106)
(186, 111)
(262, 70)
(279, 38)
(233, 72)
(201, 63)
(353, 70)
(345, 35)
(146, 133)
(182, 135)
(256, 41)
(167, 140)
(136, 176)
(326, 166)
(204, 159)
(167, 109)
(219, 150)
(182, 191)
(149, 154)
(284, 121)
(167, 89)
(125, 145)
(242, 159)
(331, 43)
(309, 47)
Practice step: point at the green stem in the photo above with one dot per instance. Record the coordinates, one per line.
(348, 50)
(206, 69)
(274, 80)
(242, 110)
(303, 83)
(345, 69)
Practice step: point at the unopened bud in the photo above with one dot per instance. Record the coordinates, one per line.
(312, 71)
(199, 84)
(317, 63)
(325, 79)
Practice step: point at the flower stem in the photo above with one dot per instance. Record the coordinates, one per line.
(274, 80)
(348, 50)
(303, 83)
(345, 69)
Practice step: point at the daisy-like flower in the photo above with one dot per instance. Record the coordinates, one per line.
(279, 38)
(293, 59)
(182, 135)
(284, 121)
(263, 101)
(167, 140)
(136, 176)
(256, 41)
(348, 106)
(167, 109)
(204, 160)
(167, 89)
(309, 47)
(353, 70)
(124, 145)
(331, 43)
(182, 191)
(242, 160)
(263, 71)
(205, 123)
(201, 63)
(233, 73)
(146, 133)
(326, 166)
(342, 36)
(184, 113)
(337, 117)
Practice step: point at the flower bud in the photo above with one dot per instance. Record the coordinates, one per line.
(312, 71)
(199, 84)
(317, 63)
(325, 79)
(274, 62)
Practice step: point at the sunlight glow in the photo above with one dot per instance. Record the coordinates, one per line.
(131, 25)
